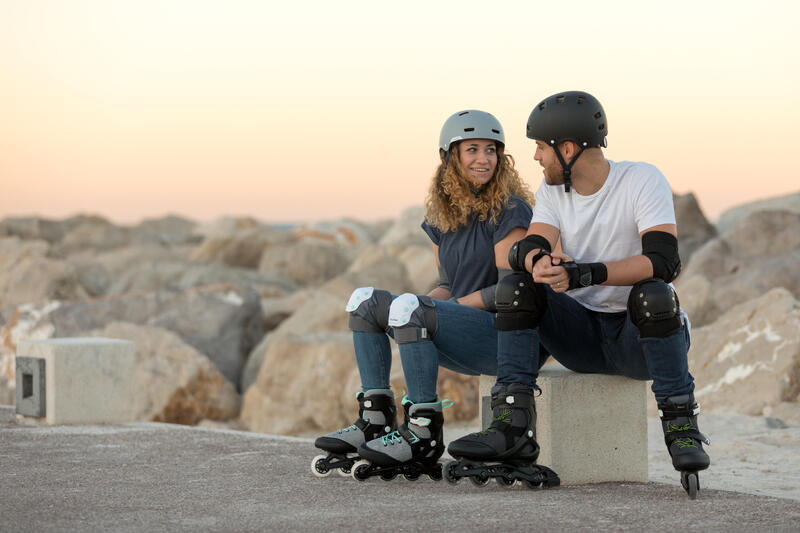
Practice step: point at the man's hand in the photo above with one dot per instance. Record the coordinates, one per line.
(548, 270)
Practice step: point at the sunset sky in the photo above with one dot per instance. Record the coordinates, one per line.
(304, 111)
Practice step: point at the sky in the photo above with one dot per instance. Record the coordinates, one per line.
(307, 111)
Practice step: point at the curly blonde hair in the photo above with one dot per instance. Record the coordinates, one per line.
(451, 201)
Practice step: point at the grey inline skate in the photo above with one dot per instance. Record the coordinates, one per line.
(377, 416)
(507, 450)
(684, 440)
(414, 449)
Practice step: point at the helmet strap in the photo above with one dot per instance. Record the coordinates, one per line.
(567, 167)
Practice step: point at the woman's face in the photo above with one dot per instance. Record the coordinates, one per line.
(478, 159)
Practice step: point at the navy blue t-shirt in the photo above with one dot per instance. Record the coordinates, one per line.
(467, 253)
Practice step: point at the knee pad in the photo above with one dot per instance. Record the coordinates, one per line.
(654, 308)
(520, 302)
(413, 318)
(369, 310)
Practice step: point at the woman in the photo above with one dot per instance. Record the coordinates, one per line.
(477, 207)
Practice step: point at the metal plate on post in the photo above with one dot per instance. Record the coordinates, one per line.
(30, 386)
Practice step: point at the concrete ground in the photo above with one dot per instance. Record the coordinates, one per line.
(161, 477)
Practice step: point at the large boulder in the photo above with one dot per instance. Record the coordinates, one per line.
(172, 381)
(762, 252)
(88, 232)
(32, 228)
(347, 233)
(418, 260)
(30, 275)
(694, 229)
(305, 263)
(406, 229)
(730, 218)
(223, 322)
(238, 242)
(171, 230)
(312, 391)
(748, 361)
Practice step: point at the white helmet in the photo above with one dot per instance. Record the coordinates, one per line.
(470, 124)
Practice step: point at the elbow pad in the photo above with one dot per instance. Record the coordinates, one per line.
(520, 249)
(661, 248)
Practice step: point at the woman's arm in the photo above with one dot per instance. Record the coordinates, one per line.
(501, 249)
(440, 292)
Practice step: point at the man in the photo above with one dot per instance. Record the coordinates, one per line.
(604, 304)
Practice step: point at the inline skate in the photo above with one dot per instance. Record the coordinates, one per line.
(507, 450)
(684, 440)
(414, 449)
(377, 416)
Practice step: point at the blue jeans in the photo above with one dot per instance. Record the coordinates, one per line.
(608, 343)
(465, 341)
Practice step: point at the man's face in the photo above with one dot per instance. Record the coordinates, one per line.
(546, 156)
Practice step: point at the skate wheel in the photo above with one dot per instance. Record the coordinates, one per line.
(388, 476)
(412, 476)
(436, 473)
(360, 470)
(480, 480)
(345, 471)
(690, 483)
(319, 466)
(449, 472)
(531, 484)
(506, 482)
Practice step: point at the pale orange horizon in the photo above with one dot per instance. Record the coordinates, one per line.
(313, 111)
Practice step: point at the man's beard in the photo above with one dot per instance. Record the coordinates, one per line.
(554, 174)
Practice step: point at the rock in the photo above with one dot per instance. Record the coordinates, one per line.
(276, 310)
(749, 359)
(385, 273)
(693, 227)
(305, 263)
(170, 230)
(762, 252)
(344, 233)
(696, 299)
(22, 323)
(223, 322)
(32, 228)
(731, 217)
(91, 233)
(418, 260)
(240, 246)
(254, 362)
(299, 389)
(173, 382)
(406, 229)
(30, 276)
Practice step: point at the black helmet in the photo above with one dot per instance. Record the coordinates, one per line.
(574, 116)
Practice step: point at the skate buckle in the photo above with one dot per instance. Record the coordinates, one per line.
(510, 399)
(423, 422)
(368, 404)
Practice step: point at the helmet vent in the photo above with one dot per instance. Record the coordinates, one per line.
(495, 131)
(598, 114)
(463, 113)
(580, 99)
(560, 99)
(469, 129)
(542, 106)
(601, 127)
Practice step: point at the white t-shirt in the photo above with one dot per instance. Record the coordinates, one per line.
(605, 226)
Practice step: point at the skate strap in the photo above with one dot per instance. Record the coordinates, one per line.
(407, 434)
(682, 432)
(379, 402)
(361, 424)
(669, 414)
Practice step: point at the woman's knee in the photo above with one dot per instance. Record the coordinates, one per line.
(369, 310)
(413, 318)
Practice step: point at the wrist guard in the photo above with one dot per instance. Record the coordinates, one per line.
(520, 249)
(585, 274)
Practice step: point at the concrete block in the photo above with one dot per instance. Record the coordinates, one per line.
(591, 428)
(30, 387)
(87, 380)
